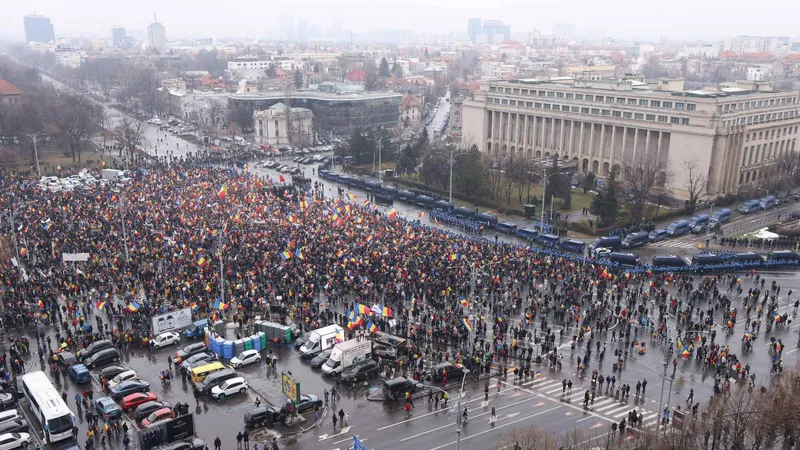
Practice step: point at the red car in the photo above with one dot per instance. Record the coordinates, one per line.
(158, 415)
(132, 401)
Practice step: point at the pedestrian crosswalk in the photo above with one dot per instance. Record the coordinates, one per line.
(603, 405)
(675, 244)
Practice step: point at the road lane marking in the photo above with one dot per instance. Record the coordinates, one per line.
(498, 427)
(451, 424)
(443, 409)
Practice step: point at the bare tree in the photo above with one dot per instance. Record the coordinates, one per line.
(642, 179)
(78, 118)
(129, 134)
(696, 183)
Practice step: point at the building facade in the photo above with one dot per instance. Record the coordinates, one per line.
(156, 34)
(736, 134)
(410, 110)
(341, 113)
(9, 94)
(38, 29)
(118, 36)
(273, 126)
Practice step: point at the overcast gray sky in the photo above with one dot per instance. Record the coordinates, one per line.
(225, 18)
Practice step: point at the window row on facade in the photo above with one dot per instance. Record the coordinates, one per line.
(593, 111)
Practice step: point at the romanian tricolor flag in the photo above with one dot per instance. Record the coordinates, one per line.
(223, 192)
(466, 323)
(421, 214)
(454, 257)
(100, 305)
(40, 303)
(303, 205)
(23, 251)
(386, 312)
(359, 321)
(351, 325)
(194, 306)
(133, 306)
(371, 327)
(286, 255)
(463, 301)
(392, 213)
(351, 196)
(202, 261)
(292, 219)
(299, 254)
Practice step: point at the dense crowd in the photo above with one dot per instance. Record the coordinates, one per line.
(783, 243)
(155, 244)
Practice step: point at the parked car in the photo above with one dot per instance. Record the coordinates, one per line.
(307, 402)
(107, 408)
(112, 371)
(147, 408)
(189, 350)
(7, 400)
(397, 388)
(65, 359)
(229, 387)
(79, 373)
(126, 388)
(188, 444)
(10, 441)
(245, 358)
(320, 359)
(101, 358)
(260, 416)
(198, 359)
(94, 347)
(362, 371)
(132, 401)
(14, 426)
(157, 416)
(165, 339)
(122, 377)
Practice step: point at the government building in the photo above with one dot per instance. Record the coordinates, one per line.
(736, 132)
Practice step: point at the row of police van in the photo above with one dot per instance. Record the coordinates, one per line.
(776, 258)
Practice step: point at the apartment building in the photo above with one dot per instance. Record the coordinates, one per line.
(735, 133)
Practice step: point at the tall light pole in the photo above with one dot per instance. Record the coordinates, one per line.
(379, 143)
(459, 414)
(544, 187)
(11, 215)
(451, 174)
(120, 207)
(33, 137)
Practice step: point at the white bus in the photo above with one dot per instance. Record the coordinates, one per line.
(53, 415)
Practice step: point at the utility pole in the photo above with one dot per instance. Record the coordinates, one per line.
(459, 414)
(33, 137)
(451, 174)
(124, 232)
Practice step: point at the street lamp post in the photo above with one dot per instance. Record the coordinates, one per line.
(459, 416)
(33, 137)
(544, 188)
(122, 199)
(379, 143)
(451, 174)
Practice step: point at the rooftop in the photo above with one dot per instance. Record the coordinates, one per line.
(7, 88)
(279, 94)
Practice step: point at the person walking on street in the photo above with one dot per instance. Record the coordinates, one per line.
(644, 387)
(246, 438)
(239, 441)
(217, 444)
(334, 422)
(691, 397)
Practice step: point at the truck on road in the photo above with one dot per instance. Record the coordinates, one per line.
(346, 354)
(322, 339)
(112, 174)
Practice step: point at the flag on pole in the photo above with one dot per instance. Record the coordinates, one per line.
(281, 179)
(466, 323)
(299, 254)
(358, 445)
(463, 301)
(351, 196)
(392, 213)
(223, 192)
(371, 327)
(40, 303)
(100, 305)
(133, 307)
(286, 255)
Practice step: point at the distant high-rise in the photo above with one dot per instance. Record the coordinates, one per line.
(302, 30)
(117, 36)
(156, 34)
(474, 29)
(496, 30)
(564, 32)
(287, 28)
(38, 29)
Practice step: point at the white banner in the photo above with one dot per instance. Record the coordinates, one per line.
(82, 257)
(172, 321)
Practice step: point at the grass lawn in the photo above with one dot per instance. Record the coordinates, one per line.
(579, 199)
(51, 157)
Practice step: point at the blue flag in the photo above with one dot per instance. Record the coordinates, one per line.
(358, 445)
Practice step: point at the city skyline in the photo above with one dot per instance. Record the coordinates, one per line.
(621, 20)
